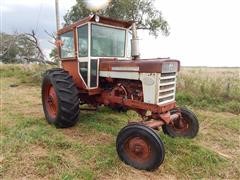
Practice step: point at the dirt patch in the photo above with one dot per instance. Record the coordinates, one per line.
(215, 136)
(218, 150)
(91, 138)
(36, 151)
(23, 166)
(22, 99)
(128, 173)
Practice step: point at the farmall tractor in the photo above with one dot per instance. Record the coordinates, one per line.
(100, 65)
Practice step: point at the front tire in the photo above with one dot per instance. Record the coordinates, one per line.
(186, 126)
(140, 147)
(60, 98)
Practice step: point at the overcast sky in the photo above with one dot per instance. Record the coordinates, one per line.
(203, 32)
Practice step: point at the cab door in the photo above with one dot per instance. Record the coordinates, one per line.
(94, 74)
(68, 55)
(83, 52)
(88, 67)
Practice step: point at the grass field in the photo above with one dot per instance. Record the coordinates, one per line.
(217, 89)
(33, 149)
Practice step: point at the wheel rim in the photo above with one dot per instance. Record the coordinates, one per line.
(51, 101)
(137, 149)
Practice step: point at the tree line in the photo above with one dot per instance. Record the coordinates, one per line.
(21, 48)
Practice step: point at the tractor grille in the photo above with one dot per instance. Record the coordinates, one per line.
(167, 87)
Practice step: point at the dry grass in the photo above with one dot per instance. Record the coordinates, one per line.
(217, 89)
(32, 149)
(217, 82)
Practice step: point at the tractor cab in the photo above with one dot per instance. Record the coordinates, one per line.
(90, 39)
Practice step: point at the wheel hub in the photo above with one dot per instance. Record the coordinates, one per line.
(138, 149)
(180, 124)
(51, 101)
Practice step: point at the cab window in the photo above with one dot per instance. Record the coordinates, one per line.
(93, 73)
(107, 41)
(83, 66)
(83, 41)
(67, 49)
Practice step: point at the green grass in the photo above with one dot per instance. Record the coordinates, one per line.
(184, 157)
(192, 160)
(33, 149)
(27, 74)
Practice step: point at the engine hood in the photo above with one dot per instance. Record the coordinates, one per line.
(159, 65)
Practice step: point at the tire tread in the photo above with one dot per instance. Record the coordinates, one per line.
(67, 94)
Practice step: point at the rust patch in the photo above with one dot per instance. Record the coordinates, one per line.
(145, 66)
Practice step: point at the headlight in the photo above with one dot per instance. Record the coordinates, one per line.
(169, 67)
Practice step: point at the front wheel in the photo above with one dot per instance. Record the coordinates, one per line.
(140, 147)
(185, 126)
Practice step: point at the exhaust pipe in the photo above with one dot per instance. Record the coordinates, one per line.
(135, 51)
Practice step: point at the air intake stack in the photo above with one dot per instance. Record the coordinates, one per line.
(135, 43)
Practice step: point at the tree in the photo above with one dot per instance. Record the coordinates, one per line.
(54, 54)
(142, 12)
(21, 48)
(7, 48)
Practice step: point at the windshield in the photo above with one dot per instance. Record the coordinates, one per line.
(107, 41)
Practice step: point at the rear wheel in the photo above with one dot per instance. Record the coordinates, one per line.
(139, 146)
(60, 98)
(185, 126)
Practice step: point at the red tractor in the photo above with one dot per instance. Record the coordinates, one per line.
(100, 65)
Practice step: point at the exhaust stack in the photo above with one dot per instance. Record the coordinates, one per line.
(135, 51)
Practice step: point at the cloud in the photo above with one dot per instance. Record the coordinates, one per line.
(23, 16)
(63, 4)
(4, 9)
(27, 15)
(27, 3)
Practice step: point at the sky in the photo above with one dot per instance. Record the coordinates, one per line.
(203, 32)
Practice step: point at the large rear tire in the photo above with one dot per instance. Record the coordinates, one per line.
(186, 126)
(140, 147)
(60, 98)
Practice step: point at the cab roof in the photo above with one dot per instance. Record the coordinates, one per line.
(102, 20)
